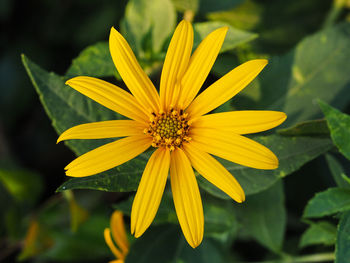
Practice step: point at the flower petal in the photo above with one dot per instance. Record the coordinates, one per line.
(214, 172)
(108, 156)
(103, 129)
(110, 96)
(187, 199)
(129, 69)
(241, 122)
(175, 64)
(118, 231)
(150, 191)
(234, 147)
(200, 65)
(112, 247)
(226, 87)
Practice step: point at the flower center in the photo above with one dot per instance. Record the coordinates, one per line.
(168, 129)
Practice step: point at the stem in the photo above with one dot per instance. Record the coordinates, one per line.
(334, 13)
(321, 257)
(189, 15)
(316, 258)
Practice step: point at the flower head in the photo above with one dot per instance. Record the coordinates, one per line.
(176, 124)
(119, 235)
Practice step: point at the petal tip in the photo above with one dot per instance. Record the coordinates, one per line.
(59, 140)
(283, 117)
(137, 234)
(241, 199)
(195, 244)
(224, 29)
(114, 34)
(275, 164)
(132, 228)
(73, 81)
(264, 61)
(261, 62)
(113, 30)
(71, 173)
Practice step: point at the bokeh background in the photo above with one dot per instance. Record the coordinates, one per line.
(52, 33)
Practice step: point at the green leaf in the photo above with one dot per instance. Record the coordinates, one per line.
(279, 28)
(292, 153)
(264, 217)
(207, 6)
(86, 243)
(245, 16)
(337, 172)
(320, 233)
(24, 186)
(342, 247)
(339, 125)
(204, 6)
(124, 178)
(66, 108)
(306, 128)
(234, 37)
(148, 21)
(331, 201)
(317, 68)
(220, 219)
(186, 5)
(94, 61)
(166, 244)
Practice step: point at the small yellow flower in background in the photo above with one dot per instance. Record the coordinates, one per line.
(119, 235)
(175, 124)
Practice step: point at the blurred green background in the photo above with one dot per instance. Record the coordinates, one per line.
(53, 33)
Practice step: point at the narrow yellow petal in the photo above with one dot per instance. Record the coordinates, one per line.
(117, 261)
(241, 122)
(234, 147)
(175, 64)
(110, 96)
(200, 65)
(103, 129)
(112, 247)
(214, 172)
(150, 191)
(118, 232)
(187, 199)
(226, 87)
(129, 69)
(108, 156)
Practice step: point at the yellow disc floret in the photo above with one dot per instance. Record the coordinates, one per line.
(168, 129)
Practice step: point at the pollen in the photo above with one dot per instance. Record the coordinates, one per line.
(168, 129)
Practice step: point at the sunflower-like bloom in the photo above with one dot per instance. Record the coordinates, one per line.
(174, 122)
(119, 235)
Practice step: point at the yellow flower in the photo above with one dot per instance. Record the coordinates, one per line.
(175, 124)
(119, 236)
